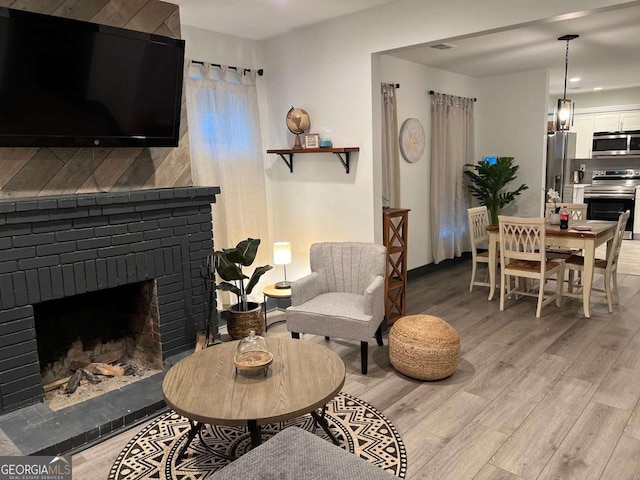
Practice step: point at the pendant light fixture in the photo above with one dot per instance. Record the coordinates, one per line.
(564, 113)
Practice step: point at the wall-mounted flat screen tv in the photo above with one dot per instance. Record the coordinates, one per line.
(68, 83)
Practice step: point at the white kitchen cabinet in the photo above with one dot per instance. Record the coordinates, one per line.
(630, 121)
(636, 218)
(607, 123)
(583, 127)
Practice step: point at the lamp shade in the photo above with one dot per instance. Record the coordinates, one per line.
(282, 253)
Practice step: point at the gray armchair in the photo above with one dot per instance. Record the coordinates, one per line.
(343, 296)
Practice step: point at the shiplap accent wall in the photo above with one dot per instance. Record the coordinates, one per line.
(30, 172)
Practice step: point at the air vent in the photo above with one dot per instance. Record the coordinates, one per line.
(443, 46)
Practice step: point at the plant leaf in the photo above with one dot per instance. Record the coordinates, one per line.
(257, 273)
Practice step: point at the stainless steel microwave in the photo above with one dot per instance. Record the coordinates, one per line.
(616, 143)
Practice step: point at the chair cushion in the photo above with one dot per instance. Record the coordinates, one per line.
(530, 266)
(333, 314)
(578, 260)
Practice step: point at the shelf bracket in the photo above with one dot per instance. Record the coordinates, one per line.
(344, 161)
(288, 163)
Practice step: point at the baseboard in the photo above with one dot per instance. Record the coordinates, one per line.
(434, 267)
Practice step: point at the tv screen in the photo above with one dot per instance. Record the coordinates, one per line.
(67, 83)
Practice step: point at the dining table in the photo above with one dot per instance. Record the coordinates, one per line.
(586, 235)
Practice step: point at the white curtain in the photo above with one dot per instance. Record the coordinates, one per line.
(390, 147)
(226, 151)
(451, 149)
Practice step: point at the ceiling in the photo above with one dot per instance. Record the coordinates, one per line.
(605, 55)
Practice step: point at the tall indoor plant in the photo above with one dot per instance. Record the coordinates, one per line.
(489, 181)
(244, 315)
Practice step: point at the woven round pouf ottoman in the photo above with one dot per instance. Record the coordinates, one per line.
(424, 347)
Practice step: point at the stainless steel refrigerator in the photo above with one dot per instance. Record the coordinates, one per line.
(561, 149)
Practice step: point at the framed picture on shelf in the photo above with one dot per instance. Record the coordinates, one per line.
(312, 140)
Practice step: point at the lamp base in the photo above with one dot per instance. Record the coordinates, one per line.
(284, 284)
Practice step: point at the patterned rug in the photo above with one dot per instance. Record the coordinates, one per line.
(151, 454)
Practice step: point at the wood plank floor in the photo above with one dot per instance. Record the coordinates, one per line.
(549, 398)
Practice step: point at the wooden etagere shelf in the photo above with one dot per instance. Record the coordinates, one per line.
(342, 153)
(394, 237)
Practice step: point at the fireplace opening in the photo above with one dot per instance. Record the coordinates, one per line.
(115, 326)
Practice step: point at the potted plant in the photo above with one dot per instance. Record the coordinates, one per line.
(243, 316)
(488, 182)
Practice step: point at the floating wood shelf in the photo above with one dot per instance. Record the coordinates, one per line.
(342, 153)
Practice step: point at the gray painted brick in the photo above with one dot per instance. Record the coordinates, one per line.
(21, 384)
(94, 243)
(67, 202)
(145, 246)
(179, 231)
(105, 199)
(177, 259)
(149, 207)
(142, 226)
(118, 209)
(181, 193)
(6, 291)
(154, 215)
(20, 288)
(159, 262)
(26, 205)
(170, 288)
(174, 297)
(136, 196)
(27, 217)
(69, 280)
(15, 350)
(167, 307)
(168, 261)
(79, 277)
(18, 313)
(95, 211)
(69, 213)
(15, 230)
(86, 201)
(172, 316)
(169, 279)
(166, 194)
(17, 253)
(5, 243)
(114, 251)
(22, 398)
(91, 275)
(101, 273)
(150, 261)
(17, 337)
(15, 326)
(123, 276)
(20, 372)
(33, 286)
(109, 230)
(7, 207)
(8, 267)
(57, 282)
(200, 218)
(44, 279)
(78, 256)
(126, 239)
(207, 245)
(151, 195)
(141, 266)
(88, 221)
(112, 272)
(55, 248)
(172, 222)
(52, 226)
(124, 218)
(16, 361)
(76, 234)
(158, 234)
(174, 240)
(131, 268)
(38, 262)
(200, 236)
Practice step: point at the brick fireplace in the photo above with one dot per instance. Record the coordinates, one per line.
(62, 246)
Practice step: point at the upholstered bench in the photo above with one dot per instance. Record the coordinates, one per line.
(424, 347)
(295, 454)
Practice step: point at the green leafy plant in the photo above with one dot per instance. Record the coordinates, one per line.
(228, 263)
(488, 182)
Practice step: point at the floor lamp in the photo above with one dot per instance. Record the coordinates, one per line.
(282, 256)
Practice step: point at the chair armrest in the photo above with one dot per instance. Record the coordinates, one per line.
(374, 297)
(305, 288)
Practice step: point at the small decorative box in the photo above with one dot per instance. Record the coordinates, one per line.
(325, 143)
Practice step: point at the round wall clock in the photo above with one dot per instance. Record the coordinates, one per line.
(412, 140)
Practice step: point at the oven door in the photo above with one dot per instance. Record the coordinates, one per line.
(609, 207)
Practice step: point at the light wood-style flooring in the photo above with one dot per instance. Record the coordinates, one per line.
(549, 398)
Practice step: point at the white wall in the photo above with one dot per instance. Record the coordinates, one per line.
(328, 69)
(414, 101)
(603, 98)
(511, 122)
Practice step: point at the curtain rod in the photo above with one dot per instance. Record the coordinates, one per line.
(431, 92)
(245, 70)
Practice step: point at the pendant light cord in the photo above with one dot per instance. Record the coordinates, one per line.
(566, 70)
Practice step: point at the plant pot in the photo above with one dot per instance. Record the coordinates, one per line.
(240, 323)
(554, 219)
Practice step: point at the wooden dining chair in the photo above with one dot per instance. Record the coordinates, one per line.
(478, 221)
(577, 212)
(522, 255)
(608, 267)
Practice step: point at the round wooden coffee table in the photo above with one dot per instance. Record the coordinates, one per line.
(205, 388)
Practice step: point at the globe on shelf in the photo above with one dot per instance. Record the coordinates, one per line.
(297, 123)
